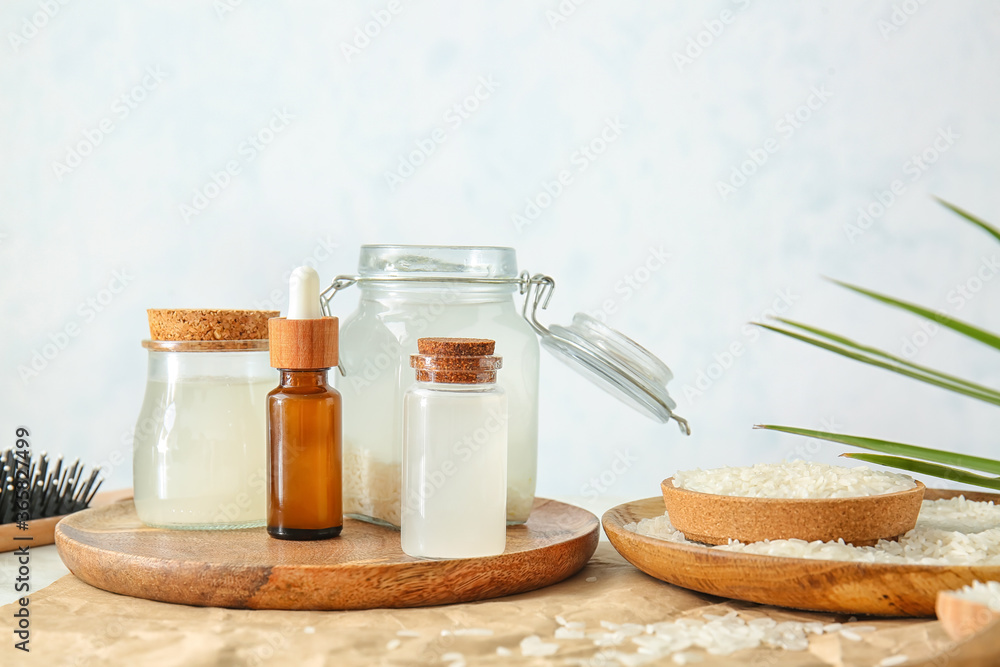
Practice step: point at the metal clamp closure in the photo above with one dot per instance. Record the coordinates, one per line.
(525, 282)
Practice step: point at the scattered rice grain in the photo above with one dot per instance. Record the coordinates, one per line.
(472, 632)
(533, 646)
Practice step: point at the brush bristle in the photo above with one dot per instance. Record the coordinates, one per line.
(54, 490)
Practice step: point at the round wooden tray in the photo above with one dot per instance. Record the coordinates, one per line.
(108, 547)
(816, 585)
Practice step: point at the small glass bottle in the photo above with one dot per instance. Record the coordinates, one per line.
(454, 491)
(304, 420)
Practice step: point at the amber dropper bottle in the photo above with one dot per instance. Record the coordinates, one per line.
(304, 420)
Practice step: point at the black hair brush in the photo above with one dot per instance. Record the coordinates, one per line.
(53, 490)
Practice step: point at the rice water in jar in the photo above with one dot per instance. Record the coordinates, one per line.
(199, 452)
(454, 499)
(411, 292)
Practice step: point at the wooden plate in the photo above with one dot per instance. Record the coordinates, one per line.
(42, 531)
(817, 585)
(111, 549)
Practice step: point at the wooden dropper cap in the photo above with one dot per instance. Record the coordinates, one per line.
(305, 340)
(303, 344)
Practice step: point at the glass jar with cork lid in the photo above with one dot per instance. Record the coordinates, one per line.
(200, 444)
(454, 452)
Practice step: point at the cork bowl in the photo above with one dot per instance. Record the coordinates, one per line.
(862, 521)
(963, 618)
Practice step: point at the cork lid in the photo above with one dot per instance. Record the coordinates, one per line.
(200, 324)
(207, 330)
(456, 360)
(303, 344)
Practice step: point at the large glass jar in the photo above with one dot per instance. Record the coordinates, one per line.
(411, 292)
(200, 445)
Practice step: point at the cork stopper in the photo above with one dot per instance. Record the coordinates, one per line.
(199, 324)
(303, 344)
(456, 360)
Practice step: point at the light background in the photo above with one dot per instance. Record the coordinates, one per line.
(319, 189)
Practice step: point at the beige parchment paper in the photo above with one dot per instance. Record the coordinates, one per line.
(75, 624)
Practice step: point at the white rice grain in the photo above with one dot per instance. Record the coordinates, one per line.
(796, 479)
(533, 646)
(987, 594)
(948, 532)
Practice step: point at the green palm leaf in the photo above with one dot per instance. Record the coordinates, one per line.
(848, 343)
(987, 395)
(932, 469)
(894, 448)
(982, 224)
(934, 462)
(964, 328)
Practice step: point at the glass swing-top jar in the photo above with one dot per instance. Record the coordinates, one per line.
(411, 292)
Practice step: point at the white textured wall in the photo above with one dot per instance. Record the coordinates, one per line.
(199, 79)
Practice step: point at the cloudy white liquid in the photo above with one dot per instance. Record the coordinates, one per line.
(200, 453)
(454, 491)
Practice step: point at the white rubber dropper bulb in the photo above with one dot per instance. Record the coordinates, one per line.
(303, 294)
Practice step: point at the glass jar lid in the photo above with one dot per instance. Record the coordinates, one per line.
(384, 262)
(608, 358)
